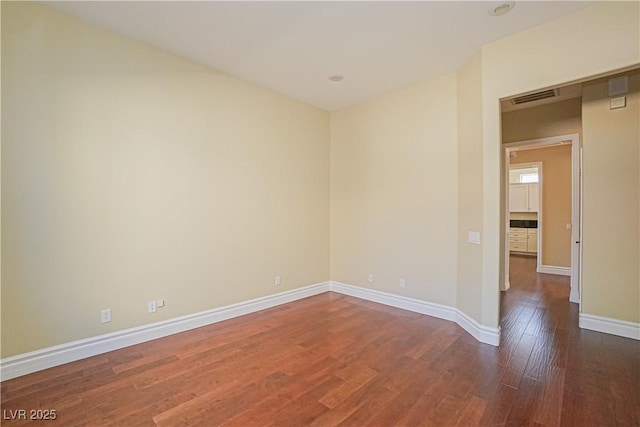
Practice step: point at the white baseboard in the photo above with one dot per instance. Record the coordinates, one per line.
(552, 269)
(26, 363)
(607, 325)
(574, 296)
(410, 304)
(482, 333)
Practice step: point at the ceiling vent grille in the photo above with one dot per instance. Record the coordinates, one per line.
(551, 93)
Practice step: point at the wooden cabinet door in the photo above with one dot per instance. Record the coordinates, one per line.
(533, 198)
(518, 239)
(518, 198)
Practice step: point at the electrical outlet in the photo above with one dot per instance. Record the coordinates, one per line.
(151, 306)
(277, 281)
(370, 278)
(105, 315)
(402, 283)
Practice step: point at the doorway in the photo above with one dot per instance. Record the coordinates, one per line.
(525, 208)
(573, 228)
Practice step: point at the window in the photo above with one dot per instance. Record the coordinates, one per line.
(526, 178)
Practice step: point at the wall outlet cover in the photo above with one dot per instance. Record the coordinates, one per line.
(105, 315)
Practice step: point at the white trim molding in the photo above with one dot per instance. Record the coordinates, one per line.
(574, 297)
(26, 363)
(552, 269)
(484, 334)
(480, 332)
(621, 328)
(417, 306)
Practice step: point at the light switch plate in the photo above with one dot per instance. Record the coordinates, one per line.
(473, 237)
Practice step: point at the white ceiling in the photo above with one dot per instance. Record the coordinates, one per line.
(292, 47)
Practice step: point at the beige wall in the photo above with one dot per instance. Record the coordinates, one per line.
(115, 192)
(560, 118)
(469, 261)
(129, 174)
(556, 201)
(611, 224)
(393, 192)
(599, 39)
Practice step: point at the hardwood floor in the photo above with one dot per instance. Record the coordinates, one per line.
(335, 360)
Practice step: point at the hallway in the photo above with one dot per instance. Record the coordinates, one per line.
(566, 375)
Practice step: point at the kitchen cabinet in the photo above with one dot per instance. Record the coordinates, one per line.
(523, 240)
(524, 197)
(518, 239)
(533, 197)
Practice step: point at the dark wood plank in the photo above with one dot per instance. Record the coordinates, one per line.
(337, 360)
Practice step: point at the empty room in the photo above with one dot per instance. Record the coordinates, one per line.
(320, 213)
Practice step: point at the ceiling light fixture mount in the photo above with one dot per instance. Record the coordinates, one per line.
(502, 8)
(336, 77)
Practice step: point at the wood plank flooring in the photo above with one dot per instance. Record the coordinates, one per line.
(335, 360)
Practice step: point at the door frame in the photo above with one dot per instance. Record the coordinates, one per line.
(576, 208)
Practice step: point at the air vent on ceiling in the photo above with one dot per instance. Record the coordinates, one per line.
(551, 93)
